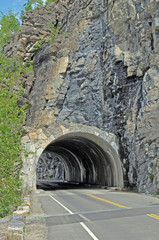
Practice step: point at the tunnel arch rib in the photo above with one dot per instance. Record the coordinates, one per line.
(73, 145)
(81, 158)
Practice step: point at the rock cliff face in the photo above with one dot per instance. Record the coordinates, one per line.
(102, 71)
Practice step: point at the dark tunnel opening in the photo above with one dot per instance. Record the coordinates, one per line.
(75, 160)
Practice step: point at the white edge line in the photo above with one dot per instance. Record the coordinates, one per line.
(61, 204)
(85, 218)
(81, 223)
(88, 231)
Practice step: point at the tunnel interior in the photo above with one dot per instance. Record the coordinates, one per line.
(75, 160)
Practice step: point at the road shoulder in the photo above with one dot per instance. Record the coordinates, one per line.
(36, 227)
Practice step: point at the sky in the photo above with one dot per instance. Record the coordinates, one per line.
(13, 5)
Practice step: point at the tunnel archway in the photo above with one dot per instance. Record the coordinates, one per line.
(80, 158)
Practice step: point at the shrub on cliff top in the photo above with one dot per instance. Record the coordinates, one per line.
(49, 1)
(31, 5)
(9, 24)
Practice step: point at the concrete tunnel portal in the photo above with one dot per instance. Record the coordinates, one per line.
(81, 159)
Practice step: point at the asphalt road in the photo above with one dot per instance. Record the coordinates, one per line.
(86, 214)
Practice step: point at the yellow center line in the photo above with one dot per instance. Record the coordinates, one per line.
(153, 216)
(107, 201)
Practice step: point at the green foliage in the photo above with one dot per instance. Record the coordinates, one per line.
(29, 66)
(9, 25)
(150, 176)
(32, 4)
(49, 1)
(11, 119)
(38, 44)
(54, 31)
(28, 6)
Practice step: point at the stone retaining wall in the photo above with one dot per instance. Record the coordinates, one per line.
(15, 229)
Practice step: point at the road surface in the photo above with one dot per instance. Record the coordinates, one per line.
(99, 214)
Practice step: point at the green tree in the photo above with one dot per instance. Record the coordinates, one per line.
(9, 24)
(31, 5)
(11, 119)
(49, 1)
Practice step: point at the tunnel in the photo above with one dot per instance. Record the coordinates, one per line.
(80, 159)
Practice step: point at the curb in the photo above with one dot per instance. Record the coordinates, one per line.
(16, 224)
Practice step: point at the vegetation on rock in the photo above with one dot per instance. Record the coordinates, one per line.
(49, 1)
(38, 44)
(11, 120)
(9, 24)
(32, 4)
(54, 31)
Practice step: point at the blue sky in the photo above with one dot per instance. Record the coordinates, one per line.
(14, 5)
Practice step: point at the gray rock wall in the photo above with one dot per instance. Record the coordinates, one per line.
(102, 70)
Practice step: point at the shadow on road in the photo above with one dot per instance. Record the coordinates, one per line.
(50, 185)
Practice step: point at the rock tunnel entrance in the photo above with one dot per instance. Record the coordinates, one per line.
(79, 158)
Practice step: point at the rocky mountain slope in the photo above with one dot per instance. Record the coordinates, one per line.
(102, 70)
